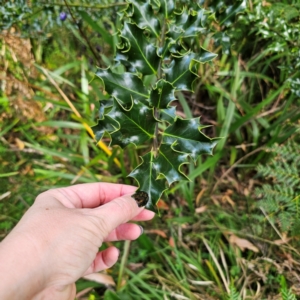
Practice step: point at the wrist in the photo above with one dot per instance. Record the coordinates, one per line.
(21, 275)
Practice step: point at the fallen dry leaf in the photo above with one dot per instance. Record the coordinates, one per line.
(199, 196)
(242, 243)
(135, 266)
(226, 198)
(171, 242)
(162, 205)
(201, 209)
(284, 239)
(19, 144)
(157, 231)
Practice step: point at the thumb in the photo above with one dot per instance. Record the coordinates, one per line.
(116, 212)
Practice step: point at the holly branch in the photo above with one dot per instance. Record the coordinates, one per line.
(155, 44)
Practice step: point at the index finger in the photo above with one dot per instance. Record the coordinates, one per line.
(91, 195)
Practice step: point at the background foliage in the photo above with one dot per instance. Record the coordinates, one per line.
(222, 235)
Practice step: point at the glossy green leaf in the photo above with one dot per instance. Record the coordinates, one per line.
(146, 176)
(178, 72)
(168, 114)
(105, 125)
(143, 16)
(139, 52)
(125, 88)
(162, 94)
(104, 106)
(136, 126)
(226, 14)
(222, 39)
(167, 7)
(188, 23)
(204, 56)
(185, 136)
(182, 71)
(168, 163)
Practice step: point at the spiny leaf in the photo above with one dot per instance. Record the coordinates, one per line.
(188, 23)
(105, 125)
(179, 74)
(226, 14)
(204, 56)
(162, 94)
(104, 106)
(168, 114)
(135, 126)
(182, 71)
(125, 88)
(146, 176)
(168, 163)
(140, 53)
(222, 39)
(185, 136)
(167, 7)
(143, 16)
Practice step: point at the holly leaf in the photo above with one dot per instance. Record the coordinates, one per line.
(178, 73)
(182, 71)
(139, 52)
(125, 88)
(169, 162)
(167, 7)
(162, 94)
(136, 126)
(227, 11)
(168, 114)
(105, 125)
(146, 176)
(143, 16)
(105, 105)
(185, 136)
(222, 39)
(203, 56)
(188, 24)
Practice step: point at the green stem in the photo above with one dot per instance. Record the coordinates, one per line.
(123, 264)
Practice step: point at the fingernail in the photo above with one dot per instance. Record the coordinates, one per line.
(142, 229)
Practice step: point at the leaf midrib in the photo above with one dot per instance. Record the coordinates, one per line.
(147, 61)
(137, 125)
(114, 82)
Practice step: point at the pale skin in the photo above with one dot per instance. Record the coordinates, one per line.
(58, 239)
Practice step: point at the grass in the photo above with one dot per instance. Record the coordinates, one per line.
(203, 246)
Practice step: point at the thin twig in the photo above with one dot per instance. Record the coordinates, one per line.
(85, 5)
(276, 230)
(234, 165)
(83, 35)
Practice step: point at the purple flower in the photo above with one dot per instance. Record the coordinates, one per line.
(62, 16)
(98, 48)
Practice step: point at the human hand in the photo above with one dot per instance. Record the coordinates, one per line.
(58, 239)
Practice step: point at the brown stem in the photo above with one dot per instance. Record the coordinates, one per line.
(159, 76)
(86, 5)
